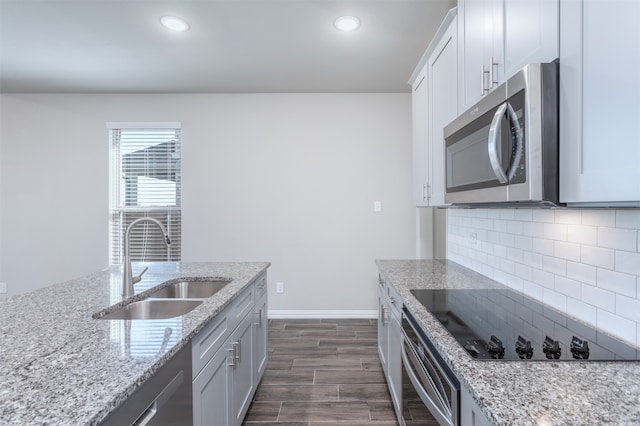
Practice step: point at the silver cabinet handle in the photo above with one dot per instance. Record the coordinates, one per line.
(495, 134)
(259, 323)
(483, 74)
(239, 347)
(493, 79)
(233, 355)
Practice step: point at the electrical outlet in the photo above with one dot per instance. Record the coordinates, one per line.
(280, 288)
(3, 288)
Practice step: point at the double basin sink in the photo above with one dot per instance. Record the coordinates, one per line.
(169, 301)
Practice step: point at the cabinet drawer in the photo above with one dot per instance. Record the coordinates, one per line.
(242, 305)
(207, 342)
(261, 286)
(395, 302)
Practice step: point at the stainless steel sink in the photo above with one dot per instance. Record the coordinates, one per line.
(190, 289)
(153, 309)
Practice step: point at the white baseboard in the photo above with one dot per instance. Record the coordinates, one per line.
(312, 314)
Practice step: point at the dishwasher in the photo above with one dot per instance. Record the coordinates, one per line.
(164, 399)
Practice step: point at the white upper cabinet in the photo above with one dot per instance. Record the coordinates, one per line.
(498, 37)
(435, 104)
(600, 102)
(420, 120)
(443, 105)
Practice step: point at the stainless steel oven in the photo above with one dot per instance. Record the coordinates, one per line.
(504, 149)
(430, 390)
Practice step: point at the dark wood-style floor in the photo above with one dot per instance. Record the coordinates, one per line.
(322, 373)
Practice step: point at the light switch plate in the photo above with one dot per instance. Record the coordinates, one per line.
(377, 206)
(3, 288)
(280, 288)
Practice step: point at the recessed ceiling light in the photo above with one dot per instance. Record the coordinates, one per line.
(347, 23)
(174, 23)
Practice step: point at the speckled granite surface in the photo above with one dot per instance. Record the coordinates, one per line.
(60, 366)
(515, 392)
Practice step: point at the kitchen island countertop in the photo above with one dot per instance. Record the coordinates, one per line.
(520, 392)
(60, 366)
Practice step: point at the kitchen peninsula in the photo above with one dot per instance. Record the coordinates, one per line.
(60, 365)
(549, 392)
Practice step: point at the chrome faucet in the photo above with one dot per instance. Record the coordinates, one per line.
(128, 280)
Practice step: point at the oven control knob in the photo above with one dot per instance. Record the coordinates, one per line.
(495, 348)
(551, 348)
(473, 351)
(579, 348)
(523, 348)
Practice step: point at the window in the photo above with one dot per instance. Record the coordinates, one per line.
(145, 180)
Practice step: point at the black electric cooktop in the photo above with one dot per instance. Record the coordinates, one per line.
(505, 324)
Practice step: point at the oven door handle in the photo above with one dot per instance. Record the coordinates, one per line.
(439, 411)
(495, 135)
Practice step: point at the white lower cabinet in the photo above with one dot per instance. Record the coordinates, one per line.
(211, 404)
(390, 341)
(470, 412)
(229, 358)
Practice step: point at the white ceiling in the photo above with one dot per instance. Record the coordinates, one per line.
(234, 46)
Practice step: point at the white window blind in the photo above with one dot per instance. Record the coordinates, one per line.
(145, 181)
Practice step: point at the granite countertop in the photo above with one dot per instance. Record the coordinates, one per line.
(60, 366)
(520, 392)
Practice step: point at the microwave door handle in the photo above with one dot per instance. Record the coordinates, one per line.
(495, 137)
(517, 141)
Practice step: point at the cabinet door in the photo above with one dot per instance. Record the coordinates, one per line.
(470, 412)
(531, 33)
(600, 102)
(260, 342)
(443, 105)
(394, 361)
(383, 315)
(242, 373)
(210, 392)
(475, 37)
(421, 159)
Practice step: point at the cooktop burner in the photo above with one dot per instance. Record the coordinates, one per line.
(504, 324)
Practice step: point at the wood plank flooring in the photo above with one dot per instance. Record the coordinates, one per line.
(322, 373)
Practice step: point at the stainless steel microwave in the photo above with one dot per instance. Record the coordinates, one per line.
(504, 149)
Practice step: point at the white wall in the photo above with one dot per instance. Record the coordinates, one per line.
(581, 261)
(286, 178)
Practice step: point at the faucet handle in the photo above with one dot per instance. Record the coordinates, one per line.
(139, 277)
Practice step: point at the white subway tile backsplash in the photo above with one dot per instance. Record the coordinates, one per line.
(555, 299)
(597, 256)
(555, 231)
(618, 326)
(598, 297)
(544, 215)
(524, 243)
(533, 229)
(582, 261)
(628, 262)
(620, 239)
(581, 272)
(628, 307)
(554, 265)
(599, 217)
(582, 234)
(628, 219)
(617, 282)
(584, 311)
(568, 287)
(515, 227)
(569, 251)
(543, 246)
(525, 215)
(545, 279)
(568, 216)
